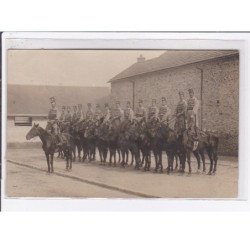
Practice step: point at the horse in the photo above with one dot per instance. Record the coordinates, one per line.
(101, 132)
(206, 142)
(48, 143)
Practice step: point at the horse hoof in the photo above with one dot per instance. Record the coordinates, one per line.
(209, 173)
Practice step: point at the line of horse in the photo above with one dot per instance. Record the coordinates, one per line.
(139, 139)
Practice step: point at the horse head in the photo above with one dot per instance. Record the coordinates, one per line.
(33, 132)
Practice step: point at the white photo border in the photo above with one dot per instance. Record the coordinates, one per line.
(134, 40)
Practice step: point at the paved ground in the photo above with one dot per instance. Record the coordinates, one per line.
(93, 180)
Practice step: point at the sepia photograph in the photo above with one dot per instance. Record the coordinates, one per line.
(122, 123)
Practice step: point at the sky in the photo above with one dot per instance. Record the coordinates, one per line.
(70, 67)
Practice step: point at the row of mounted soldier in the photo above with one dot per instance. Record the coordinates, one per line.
(185, 116)
(125, 131)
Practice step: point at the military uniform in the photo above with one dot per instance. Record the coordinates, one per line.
(117, 116)
(128, 114)
(80, 114)
(62, 116)
(192, 112)
(164, 113)
(68, 117)
(153, 112)
(98, 114)
(52, 121)
(180, 112)
(140, 113)
(89, 114)
(52, 126)
(74, 116)
(107, 113)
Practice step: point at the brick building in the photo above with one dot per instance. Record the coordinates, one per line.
(213, 74)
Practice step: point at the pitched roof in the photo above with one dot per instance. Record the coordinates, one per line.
(171, 59)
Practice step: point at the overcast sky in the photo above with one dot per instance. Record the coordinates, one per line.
(70, 67)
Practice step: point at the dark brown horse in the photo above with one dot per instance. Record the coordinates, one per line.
(207, 142)
(48, 143)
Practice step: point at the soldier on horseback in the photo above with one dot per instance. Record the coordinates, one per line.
(180, 114)
(128, 116)
(107, 113)
(52, 124)
(74, 116)
(89, 113)
(117, 114)
(164, 111)
(62, 116)
(141, 112)
(153, 113)
(192, 116)
(68, 116)
(80, 114)
(98, 113)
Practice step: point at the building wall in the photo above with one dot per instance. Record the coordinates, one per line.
(220, 95)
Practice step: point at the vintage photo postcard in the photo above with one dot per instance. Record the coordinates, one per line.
(121, 122)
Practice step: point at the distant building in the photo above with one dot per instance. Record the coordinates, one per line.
(213, 74)
(28, 99)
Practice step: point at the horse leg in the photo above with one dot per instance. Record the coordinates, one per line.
(196, 154)
(156, 160)
(52, 162)
(110, 155)
(70, 158)
(126, 155)
(48, 162)
(132, 158)
(160, 161)
(210, 155)
(123, 157)
(176, 161)
(74, 153)
(79, 152)
(203, 161)
(137, 158)
(105, 152)
(215, 158)
(149, 159)
(115, 158)
(100, 154)
(189, 161)
(119, 155)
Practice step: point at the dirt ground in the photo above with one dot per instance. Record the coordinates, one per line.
(26, 182)
(26, 177)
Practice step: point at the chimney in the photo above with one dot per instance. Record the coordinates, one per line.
(140, 59)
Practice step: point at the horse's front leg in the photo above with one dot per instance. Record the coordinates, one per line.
(203, 160)
(52, 162)
(160, 161)
(48, 161)
(70, 158)
(196, 154)
(189, 161)
(215, 157)
(156, 159)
